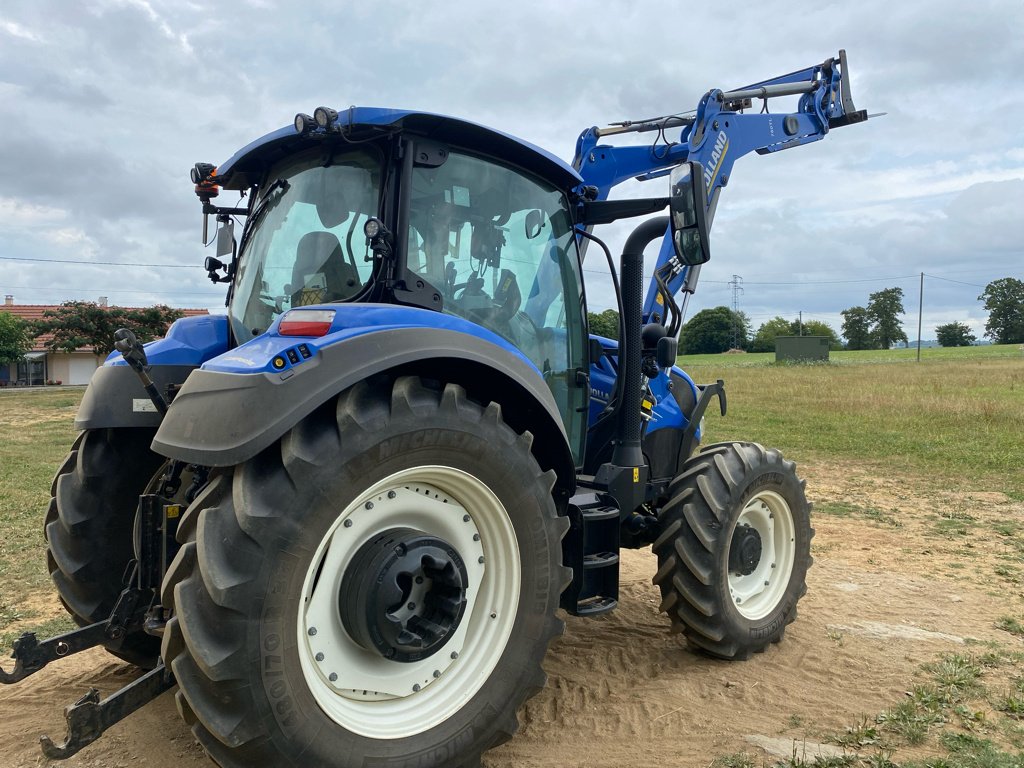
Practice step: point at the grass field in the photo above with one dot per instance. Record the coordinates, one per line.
(958, 416)
(954, 421)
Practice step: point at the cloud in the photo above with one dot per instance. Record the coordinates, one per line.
(108, 104)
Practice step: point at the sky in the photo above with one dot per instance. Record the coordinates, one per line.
(106, 105)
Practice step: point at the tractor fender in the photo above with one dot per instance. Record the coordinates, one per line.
(221, 418)
(116, 398)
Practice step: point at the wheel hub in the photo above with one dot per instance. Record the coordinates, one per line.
(745, 550)
(403, 594)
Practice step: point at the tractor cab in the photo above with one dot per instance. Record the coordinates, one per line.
(416, 212)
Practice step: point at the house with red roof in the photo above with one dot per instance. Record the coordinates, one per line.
(41, 366)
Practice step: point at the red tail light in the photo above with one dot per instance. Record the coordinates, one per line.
(306, 322)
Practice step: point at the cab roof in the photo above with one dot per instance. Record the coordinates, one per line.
(247, 166)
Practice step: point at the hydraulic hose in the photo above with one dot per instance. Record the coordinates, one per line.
(627, 451)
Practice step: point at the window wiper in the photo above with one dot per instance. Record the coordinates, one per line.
(269, 201)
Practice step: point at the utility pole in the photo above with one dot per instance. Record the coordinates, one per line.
(920, 311)
(737, 288)
(801, 322)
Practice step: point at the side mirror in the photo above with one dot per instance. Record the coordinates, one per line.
(688, 206)
(226, 238)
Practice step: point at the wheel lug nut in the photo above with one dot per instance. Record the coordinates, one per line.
(348, 523)
(480, 559)
(333, 677)
(311, 631)
(476, 537)
(437, 674)
(391, 494)
(369, 505)
(319, 657)
(455, 655)
(465, 518)
(411, 606)
(416, 688)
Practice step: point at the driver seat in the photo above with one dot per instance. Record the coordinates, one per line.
(321, 274)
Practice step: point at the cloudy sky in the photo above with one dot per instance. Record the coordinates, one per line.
(106, 104)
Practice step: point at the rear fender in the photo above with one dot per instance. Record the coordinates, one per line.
(115, 397)
(240, 403)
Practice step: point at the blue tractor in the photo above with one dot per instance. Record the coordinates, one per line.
(342, 518)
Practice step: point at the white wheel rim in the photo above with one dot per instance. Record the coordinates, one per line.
(385, 699)
(758, 593)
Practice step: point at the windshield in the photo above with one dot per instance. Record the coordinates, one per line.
(306, 244)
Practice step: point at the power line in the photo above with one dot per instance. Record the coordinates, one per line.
(104, 291)
(947, 280)
(103, 263)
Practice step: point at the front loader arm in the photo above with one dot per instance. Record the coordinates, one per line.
(717, 133)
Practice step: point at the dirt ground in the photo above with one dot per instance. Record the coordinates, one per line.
(888, 592)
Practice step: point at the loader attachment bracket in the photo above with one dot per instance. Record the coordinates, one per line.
(89, 717)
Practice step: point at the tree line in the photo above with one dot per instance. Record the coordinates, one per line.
(874, 326)
(81, 324)
(84, 324)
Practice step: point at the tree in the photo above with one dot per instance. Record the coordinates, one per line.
(15, 339)
(710, 331)
(857, 328)
(764, 339)
(883, 310)
(1004, 300)
(818, 328)
(604, 324)
(77, 324)
(955, 335)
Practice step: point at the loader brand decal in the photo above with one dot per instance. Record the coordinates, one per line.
(599, 395)
(717, 156)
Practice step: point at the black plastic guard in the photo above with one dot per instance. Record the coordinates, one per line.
(222, 419)
(116, 398)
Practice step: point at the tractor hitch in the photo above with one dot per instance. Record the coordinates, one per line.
(30, 655)
(89, 717)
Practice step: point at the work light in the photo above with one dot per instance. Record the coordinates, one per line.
(304, 123)
(324, 116)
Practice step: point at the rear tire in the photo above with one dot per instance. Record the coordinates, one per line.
(261, 641)
(742, 497)
(89, 527)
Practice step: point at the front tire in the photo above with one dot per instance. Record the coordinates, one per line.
(734, 549)
(275, 643)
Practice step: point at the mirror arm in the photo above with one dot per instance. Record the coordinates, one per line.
(607, 211)
(218, 211)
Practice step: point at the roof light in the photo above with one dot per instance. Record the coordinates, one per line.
(306, 322)
(304, 123)
(202, 172)
(324, 116)
(372, 227)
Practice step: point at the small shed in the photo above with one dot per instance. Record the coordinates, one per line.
(800, 348)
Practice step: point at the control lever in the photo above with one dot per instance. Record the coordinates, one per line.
(133, 353)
